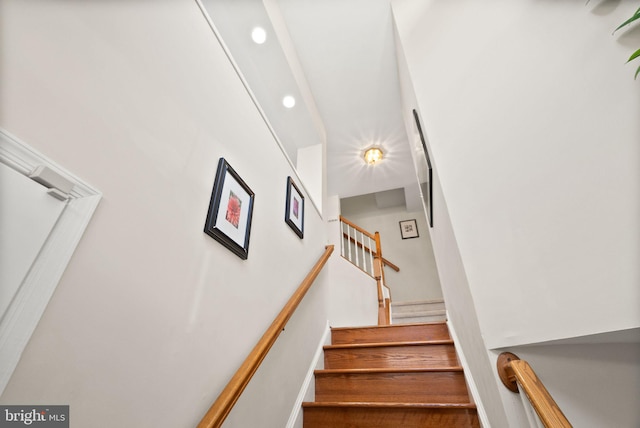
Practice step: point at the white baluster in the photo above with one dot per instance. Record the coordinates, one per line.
(349, 242)
(364, 254)
(356, 249)
(342, 238)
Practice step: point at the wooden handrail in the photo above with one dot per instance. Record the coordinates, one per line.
(515, 372)
(379, 276)
(358, 228)
(220, 409)
(385, 261)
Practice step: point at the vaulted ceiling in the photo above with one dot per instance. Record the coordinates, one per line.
(337, 59)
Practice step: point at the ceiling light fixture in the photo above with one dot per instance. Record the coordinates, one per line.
(258, 35)
(288, 101)
(373, 155)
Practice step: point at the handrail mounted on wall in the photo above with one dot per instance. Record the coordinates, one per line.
(220, 409)
(515, 373)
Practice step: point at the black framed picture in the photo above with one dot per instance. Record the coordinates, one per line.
(294, 213)
(427, 184)
(230, 210)
(409, 229)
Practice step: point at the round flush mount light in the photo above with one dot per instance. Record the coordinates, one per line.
(288, 101)
(373, 155)
(258, 35)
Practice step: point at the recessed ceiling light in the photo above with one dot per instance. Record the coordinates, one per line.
(288, 101)
(258, 35)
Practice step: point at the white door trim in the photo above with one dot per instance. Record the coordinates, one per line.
(23, 315)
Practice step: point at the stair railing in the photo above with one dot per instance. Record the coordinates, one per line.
(221, 408)
(364, 250)
(540, 407)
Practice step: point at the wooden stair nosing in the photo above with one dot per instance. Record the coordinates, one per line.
(386, 326)
(391, 405)
(387, 344)
(384, 370)
(427, 325)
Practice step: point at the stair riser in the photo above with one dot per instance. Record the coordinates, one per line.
(425, 356)
(353, 417)
(401, 309)
(436, 331)
(421, 319)
(418, 387)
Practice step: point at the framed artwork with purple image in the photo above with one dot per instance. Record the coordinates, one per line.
(230, 210)
(294, 213)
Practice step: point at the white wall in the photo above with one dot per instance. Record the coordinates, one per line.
(310, 167)
(418, 275)
(152, 316)
(531, 117)
(462, 316)
(353, 295)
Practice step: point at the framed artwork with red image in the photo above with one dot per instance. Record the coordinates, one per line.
(230, 210)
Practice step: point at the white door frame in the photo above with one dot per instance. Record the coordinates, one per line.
(23, 315)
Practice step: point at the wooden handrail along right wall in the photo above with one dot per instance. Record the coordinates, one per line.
(515, 373)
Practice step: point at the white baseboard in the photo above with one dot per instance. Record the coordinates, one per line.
(473, 390)
(308, 385)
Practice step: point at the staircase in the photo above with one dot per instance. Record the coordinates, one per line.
(418, 312)
(389, 377)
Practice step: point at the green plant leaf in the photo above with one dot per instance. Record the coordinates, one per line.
(635, 17)
(634, 55)
(637, 72)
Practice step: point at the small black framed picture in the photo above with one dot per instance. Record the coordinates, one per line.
(230, 210)
(409, 229)
(294, 212)
(426, 184)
